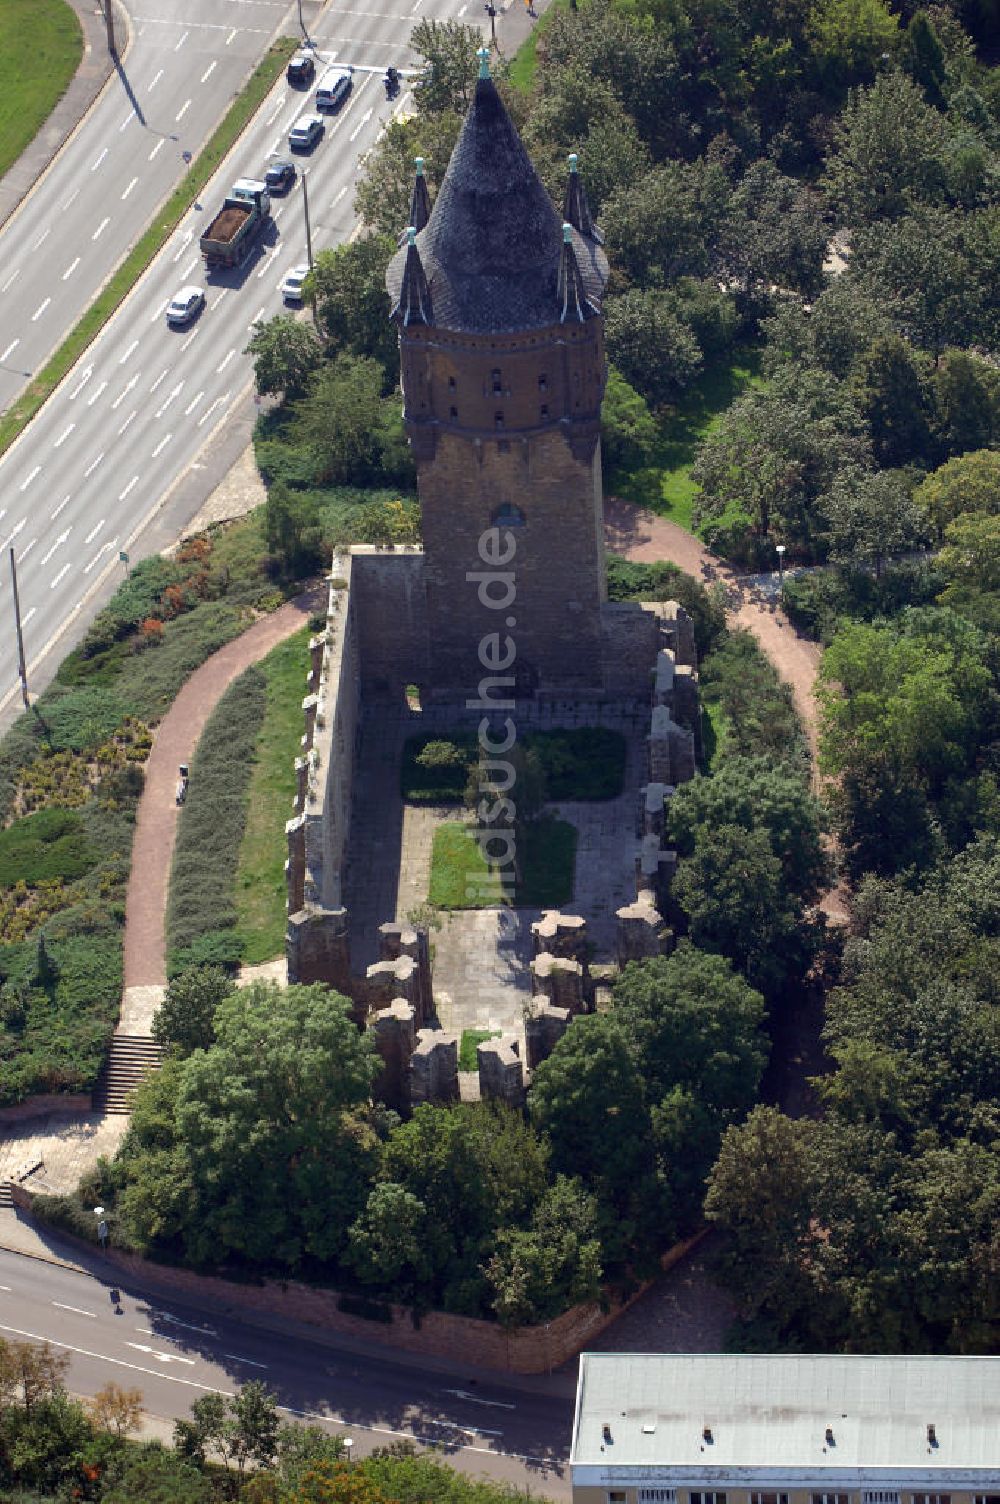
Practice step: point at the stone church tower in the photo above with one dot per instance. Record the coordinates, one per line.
(503, 371)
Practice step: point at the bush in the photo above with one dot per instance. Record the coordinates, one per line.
(758, 707)
(439, 779)
(82, 719)
(149, 682)
(586, 763)
(49, 844)
(222, 948)
(210, 830)
(817, 601)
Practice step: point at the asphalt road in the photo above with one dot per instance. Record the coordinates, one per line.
(173, 1353)
(80, 484)
(185, 61)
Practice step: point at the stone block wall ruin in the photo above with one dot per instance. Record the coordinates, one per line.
(374, 646)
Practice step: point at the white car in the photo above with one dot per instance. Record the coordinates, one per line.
(305, 132)
(291, 287)
(185, 305)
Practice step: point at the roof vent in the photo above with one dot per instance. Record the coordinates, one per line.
(607, 1432)
(706, 1435)
(830, 1437)
(932, 1440)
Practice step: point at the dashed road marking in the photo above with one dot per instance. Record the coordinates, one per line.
(96, 164)
(71, 269)
(103, 225)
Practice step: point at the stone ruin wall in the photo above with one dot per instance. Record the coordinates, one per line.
(375, 600)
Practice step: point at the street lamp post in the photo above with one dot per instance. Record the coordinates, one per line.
(305, 210)
(779, 549)
(22, 671)
(491, 11)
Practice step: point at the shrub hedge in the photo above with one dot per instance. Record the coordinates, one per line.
(585, 763)
(50, 844)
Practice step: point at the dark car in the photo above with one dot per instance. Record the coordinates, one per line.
(301, 69)
(280, 175)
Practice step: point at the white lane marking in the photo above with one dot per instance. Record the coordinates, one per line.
(462, 11)
(88, 372)
(64, 435)
(40, 310)
(175, 393)
(220, 368)
(63, 571)
(128, 118)
(278, 213)
(85, 1352)
(96, 393)
(93, 465)
(276, 111)
(70, 269)
(26, 550)
(157, 147)
(30, 477)
(476, 1399)
(42, 237)
(340, 195)
(235, 1358)
(182, 40)
(158, 313)
(57, 544)
(130, 351)
(185, 242)
(101, 227)
(206, 1331)
(154, 1352)
(264, 270)
(190, 267)
(100, 159)
(89, 539)
(256, 318)
(231, 37)
(73, 196)
(77, 1310)
(193, 404)
(161, 446)
(125, 391)
(189, 340)
(361, 124)
(14, 533)
(29, 614)
(162, 377)
(128, 190)
(9, 350)
(128, 420)
(10, 279)
(5, 1287)
(156, 80)
(208, 71)
(273, 147)
(182, 111)
(104, 548)
(211, 409)
(59, 508)
(130, 487)
(219, 299)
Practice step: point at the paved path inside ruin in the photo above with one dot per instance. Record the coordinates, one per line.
(175, 741)
(645, 537)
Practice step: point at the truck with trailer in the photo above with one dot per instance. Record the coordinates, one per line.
(238, 225)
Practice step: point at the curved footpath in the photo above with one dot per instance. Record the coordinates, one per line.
(175, 741)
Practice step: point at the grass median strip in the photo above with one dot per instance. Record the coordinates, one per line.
(240, 112)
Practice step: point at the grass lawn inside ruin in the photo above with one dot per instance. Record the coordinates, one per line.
(41, 45)
(462, 879)
(260, 880)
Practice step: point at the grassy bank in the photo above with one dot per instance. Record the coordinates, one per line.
(128, 273)
(33, 78)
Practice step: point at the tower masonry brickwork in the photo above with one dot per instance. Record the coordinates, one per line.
(503, 373)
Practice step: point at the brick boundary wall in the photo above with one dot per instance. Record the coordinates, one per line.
(463, 1339)
(45, 1103)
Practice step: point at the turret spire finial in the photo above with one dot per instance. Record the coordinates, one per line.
(484, 62)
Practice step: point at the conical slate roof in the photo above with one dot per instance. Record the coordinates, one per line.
(492, 248)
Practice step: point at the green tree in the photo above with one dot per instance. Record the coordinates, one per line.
(870, 515)
(349, 286)
(155, 1475)
(966, 401)
(650, 344)
(889, 149)
(774, 236)
(890, 385)
(388, 1242)
(920, 267)
(242, 1428)
(735, 900)
(342, 420)
(968, 484)
(184, 1020)
(285, 355)
(757, 794)
(385, 180)
(292, 529)
(666, 224)
(922, 56)
(849, 37)
(448, 79)
(536, 1272)
(970, 562)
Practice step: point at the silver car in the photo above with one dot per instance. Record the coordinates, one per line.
(185, 305)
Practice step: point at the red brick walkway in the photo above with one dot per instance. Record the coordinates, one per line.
(175, 741)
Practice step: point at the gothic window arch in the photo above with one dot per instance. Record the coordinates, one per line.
(508, 515)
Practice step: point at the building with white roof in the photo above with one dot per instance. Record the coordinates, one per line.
(713, 1428)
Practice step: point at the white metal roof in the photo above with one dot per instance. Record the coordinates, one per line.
(773, 1412)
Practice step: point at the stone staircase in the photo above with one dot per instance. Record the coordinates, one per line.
(133, 1057)
(6, 1199)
